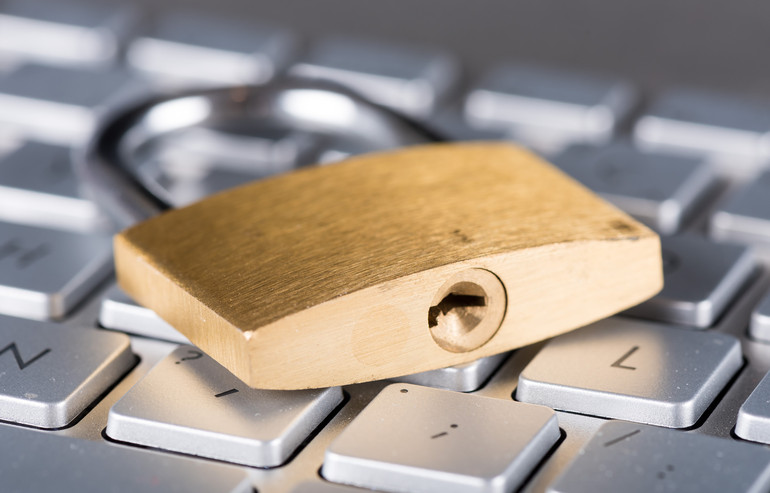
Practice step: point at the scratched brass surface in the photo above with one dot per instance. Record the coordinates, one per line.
(325, 276)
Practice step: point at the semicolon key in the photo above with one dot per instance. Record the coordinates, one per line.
(413, 438)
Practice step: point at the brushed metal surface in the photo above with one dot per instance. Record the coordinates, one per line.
(335, 285)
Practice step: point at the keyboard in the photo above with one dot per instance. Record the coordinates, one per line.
(99, 394)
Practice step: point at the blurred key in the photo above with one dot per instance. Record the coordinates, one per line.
(44, 273)
(119, 312)
(461, 378)
(410, 79)
(639, 459)
(33, 460)
(636, 371)
(705, 123)
(549, 108)
(58, 105)
(189, 48)
(700, 280)
(87, 33)
(759, 327)
(658, 189)
(745, 217)
(412, 438)
(754, 415)
(451, 124)
(51, 374)
(38, 186)
(189, 403)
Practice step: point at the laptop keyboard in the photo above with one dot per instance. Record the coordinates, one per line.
(100, 394)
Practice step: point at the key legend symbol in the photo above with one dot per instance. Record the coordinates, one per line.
(443, 433)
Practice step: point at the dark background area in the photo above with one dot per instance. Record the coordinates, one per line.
(712, 44)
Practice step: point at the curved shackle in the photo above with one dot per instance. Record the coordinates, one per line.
(108, 164)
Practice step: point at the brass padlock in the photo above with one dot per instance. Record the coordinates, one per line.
(388, 264)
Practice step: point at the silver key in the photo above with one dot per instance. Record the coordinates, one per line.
(44, 273)
(549, 108)
(119, 312)
(64, 32)
(417, 439)
(701, 122)
(58, 105)
(759, 327)
(208, 412)
(38, 186)
(632, 370)
(660, 190)
(187, 48)
(33, 460)
(633, 458)
(413, 80)
(51, 374)
(700, 279)
(754, 416)
(460, 378)
(745, 217)
(451, 123)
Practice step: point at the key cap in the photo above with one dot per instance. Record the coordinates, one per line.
(412, 438)
(461, 378)
(387, 264)
(188, 48)
(410, 79)
(745, 217)
(701, 278)
(206, 411)
(759, 327)
(658, 189)
(547, 107)
(44, 273)
(705, 123)
(58, 105)
(119, 312)
(632, 370)
(64, 32)
(753, 417)
(51, 374)
(38, 186)
(450, 123)
(37, 461)
(634, 458)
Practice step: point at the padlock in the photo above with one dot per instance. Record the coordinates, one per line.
(388, 264)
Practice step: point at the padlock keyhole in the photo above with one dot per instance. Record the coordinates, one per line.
(467, 310)
(460, 311)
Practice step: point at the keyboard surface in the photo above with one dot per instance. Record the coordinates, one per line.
(100, 394)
